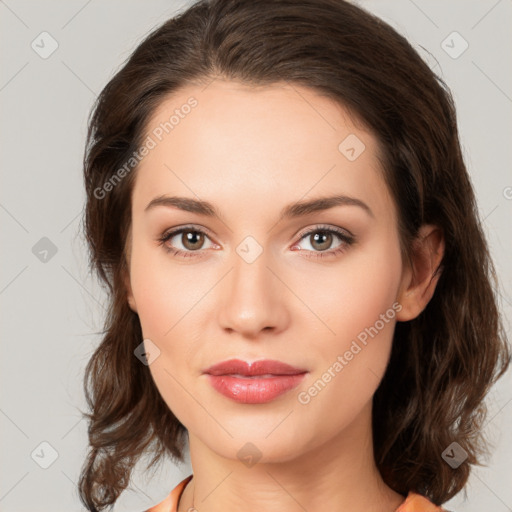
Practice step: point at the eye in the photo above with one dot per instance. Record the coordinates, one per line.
(191, 239)
(321, 238)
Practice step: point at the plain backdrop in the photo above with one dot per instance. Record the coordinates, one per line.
(51, 309)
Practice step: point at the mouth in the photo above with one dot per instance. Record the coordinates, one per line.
(256, 383)
(265, 376)
(261, 368)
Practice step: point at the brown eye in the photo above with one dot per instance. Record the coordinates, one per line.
(321, 240)
(192, 240)
(186, 242)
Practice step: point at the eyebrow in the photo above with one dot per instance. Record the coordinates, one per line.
(298, 209)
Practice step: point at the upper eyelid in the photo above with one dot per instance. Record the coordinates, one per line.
(169, 233)
(336, 230)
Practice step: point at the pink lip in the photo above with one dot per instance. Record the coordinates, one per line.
(255, 383)
(262, 367)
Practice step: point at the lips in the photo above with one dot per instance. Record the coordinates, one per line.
(256, 383)
(266, 367)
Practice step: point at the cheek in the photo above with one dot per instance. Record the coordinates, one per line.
(163, 297)
(357, 306)
(164, 292)
(349, 297)
(168, 298)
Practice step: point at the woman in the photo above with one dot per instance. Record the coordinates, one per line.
(300, 286)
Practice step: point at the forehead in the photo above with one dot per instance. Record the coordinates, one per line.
(229, 141)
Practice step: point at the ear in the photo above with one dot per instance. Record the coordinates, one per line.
(419, 279)
(129, 293)
(126, 273)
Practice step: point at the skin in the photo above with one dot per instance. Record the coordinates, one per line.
(251, 152)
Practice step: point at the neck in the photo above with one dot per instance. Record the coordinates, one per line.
(339, 475)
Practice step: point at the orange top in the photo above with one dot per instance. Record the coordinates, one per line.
(413, 503)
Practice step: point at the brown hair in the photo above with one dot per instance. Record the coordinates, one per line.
(442, 363)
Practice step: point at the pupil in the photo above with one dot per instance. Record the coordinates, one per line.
(192, 238)
(323, 239)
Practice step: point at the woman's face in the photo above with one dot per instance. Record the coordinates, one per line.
(253, 284)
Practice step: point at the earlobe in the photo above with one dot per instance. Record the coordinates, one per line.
(129, 293)
(126, 273)
(419, 281)
(131, 300)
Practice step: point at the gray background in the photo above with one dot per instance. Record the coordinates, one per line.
(51, 309)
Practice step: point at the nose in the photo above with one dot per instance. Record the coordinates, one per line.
(252, 299)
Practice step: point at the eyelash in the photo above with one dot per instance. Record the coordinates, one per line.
(346, 239)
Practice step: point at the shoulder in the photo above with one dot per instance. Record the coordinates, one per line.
(417, 503)
(170, 503)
